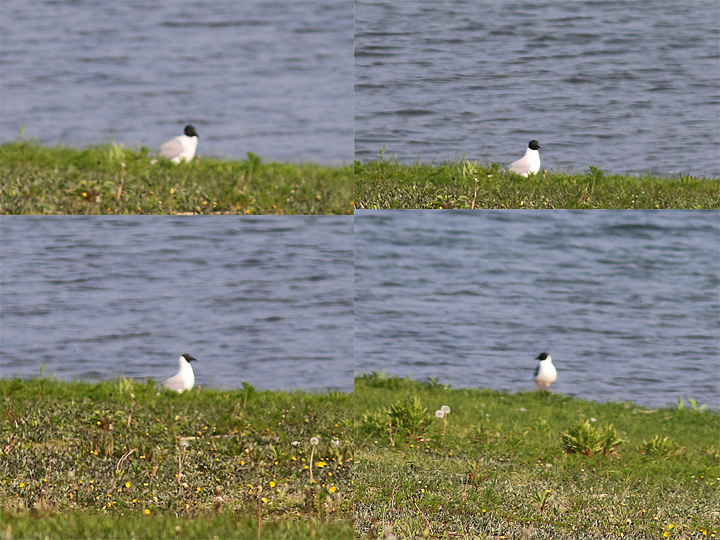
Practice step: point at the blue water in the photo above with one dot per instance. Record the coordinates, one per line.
(267, 300)
(628, 87)
(626, 302)
(273, 78)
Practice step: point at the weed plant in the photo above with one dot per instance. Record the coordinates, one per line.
(531, 465)
(112, 179)
(120, 459)
(467, 185)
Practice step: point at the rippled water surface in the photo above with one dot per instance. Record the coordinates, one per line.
(625, 86)
(626, 302)
(269, 77)
(265, 300)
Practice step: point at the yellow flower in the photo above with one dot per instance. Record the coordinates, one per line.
(333, 489)
(199, 489)
(320, 464)
(242, 463)
(670, 526)
(127, 484)
(147, 511)
(264, 500)
(22, 484)
(272, 484)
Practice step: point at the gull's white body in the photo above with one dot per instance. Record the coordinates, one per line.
(529, 163)
(180, 148)
(545, 373)
(184, 380)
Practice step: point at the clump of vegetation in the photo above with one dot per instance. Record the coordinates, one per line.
(662, 447)
(467, 185)
(502, 471)
(112, 179)
(583, 438)
(693, 404)
(406, 419)
(102, 456)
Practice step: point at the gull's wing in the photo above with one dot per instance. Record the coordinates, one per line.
(521, 166)
(537, 371)
(175, 383)
(172, 148)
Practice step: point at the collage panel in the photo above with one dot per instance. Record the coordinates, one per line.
(103, 101)
(589, 105)
(170, 376)
(536, 375)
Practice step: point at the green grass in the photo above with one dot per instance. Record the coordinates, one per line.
(82, 460)
(114, 180)
(467, 185)
(502, 470)
(79, 525)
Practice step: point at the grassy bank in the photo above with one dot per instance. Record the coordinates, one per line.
(115, 180)
(117, 460)
(384, 184)
(529, 465)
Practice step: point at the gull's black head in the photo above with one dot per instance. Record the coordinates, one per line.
(534, 145)
(542, 356)
(189, 357)
(190, 131)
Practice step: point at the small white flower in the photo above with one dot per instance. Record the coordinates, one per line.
(295, 443)
(445, 409)
(335, 442)
(593, 420)
(523, 409)
(314, 441)
(439, 414)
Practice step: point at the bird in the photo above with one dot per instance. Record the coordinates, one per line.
(545, 372)
(182, 147)
(185, 378)
(529, 163)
